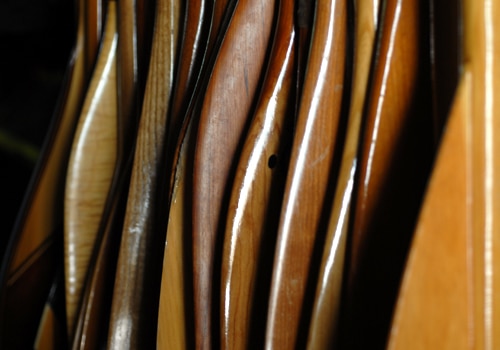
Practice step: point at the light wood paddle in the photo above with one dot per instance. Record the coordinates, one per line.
(93, 318)
(29, 264)
(396, 153)
(90, 170)
(327, 301)
(135, 298)
(449, 296)
(310, 169)
(256, 196)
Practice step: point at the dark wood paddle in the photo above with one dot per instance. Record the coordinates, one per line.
(137, 278)
(224, 115)
(396, 152)
(310, 169)
(327, 301)
(256, 195)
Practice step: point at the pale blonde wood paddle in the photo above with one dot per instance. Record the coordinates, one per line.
(93, 316)
(224, 114)
(326, 304)
(30, 260)
(90, 170)
(256, 195)
(308, 175)
(135, 305)
(449, 296)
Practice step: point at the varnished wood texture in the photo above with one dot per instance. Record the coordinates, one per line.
(90, 170)
(255, 200)
(396, 154)
(226, 106)
(327, 301)
(30, 262)
(134, 306)
(307, 180)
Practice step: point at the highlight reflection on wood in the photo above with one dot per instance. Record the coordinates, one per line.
(256, 194)
(226, 106)
(131, 324)
(327, 301)
(308, 174)
(90, 169)
(395, 160)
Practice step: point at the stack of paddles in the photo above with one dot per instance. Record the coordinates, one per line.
(266, 174)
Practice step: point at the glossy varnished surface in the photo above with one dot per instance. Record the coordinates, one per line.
(327, 300)
(255, 200)
(308, 175)
(395, 158)
(135, 293)
(224, 113)
(90, 169)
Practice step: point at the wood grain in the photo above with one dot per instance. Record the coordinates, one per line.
(255, 199)
(396, 152)
(327, 301)
(222, 121)
(307, 180)
(135, 304)
(90, 170)
(29, 263)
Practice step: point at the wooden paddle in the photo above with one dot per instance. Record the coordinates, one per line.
(175, 315)
(394, 163)
(90, 170)
(93, 319)
(29, 264)
(224, 113)
(137, 279)
(327, 301)
(451, 284)
(256, 195)
(307, 180)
